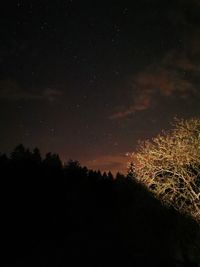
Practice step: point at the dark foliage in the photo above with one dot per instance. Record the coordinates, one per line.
(55, 215)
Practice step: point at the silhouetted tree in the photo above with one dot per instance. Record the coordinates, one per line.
(119, 176)
(52, 161)
(110, 176)
(36, 156)
(105, 175)
(19, 153)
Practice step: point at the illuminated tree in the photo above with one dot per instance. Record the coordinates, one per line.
(169, 166)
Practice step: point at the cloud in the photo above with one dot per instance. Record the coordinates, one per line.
(176, 74)
(113, 163)
(11, 90)
(148, 84)
(168, 78)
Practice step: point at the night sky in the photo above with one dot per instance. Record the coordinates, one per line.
(88, 79)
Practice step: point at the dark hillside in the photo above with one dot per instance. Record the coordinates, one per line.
(71, 216)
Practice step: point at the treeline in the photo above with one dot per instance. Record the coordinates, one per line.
(67, 215)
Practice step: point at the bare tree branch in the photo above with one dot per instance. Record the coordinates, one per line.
(169, 166)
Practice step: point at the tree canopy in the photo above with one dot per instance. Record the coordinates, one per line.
(169, 166)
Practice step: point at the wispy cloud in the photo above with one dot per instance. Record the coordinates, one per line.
(168, 78)
(176, 74)
(11, 90)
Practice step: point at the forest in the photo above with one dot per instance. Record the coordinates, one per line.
(68, 215)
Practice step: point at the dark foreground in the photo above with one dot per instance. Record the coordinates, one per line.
(55, 216)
